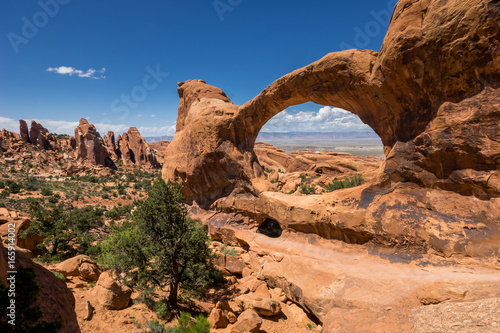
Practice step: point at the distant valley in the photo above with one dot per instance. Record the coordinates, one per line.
(361, 144)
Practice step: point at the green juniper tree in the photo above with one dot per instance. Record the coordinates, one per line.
(161, 246)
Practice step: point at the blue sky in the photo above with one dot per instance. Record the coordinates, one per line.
(117, 62)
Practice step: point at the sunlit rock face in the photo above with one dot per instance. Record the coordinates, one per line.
(431, 94)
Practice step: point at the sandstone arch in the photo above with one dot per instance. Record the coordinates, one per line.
(431, 94)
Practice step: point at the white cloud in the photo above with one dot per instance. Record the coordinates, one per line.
(152, 116)
(90, 73)
(116, 128)
(157, 131)
(57, 126)
(9, 124)
(327, 119)
(68, 127)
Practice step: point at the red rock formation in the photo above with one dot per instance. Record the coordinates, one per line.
(39, 136)
(8, 140)
(72, 143)
(109, 142)
(133, 149)
(324, 162)
(24, 131)
(90, 145)
(123, 150)
(55, 299)
(431, 94)
(160, 148)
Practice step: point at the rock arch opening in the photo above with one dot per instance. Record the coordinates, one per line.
(311, 126)
(314, 149)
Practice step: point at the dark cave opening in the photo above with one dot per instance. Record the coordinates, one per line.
(270, 228)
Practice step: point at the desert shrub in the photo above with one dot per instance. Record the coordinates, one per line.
(54, 199)
(88, 178)
(31, 184)
(226, 250)
(60, 136)
(13, 187)
(348, 182)
(162, 310)
(199, 325)
(46, 192)
(59, 275)
(118, 211)
(64, 226)
(161, 246)
(308, 189)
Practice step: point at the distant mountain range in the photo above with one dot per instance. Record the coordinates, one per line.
(263, 136)
(316, 136)
(151, 139)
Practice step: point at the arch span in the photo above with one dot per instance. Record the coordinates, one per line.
(340, 80)
(426, 70)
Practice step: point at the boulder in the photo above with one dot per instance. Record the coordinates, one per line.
(29, 242)
(263, 291)
(278, 295)
(298, 315)
(262, 305)
(248, 321)
(80, 265)
(251, 282)
(217, 319)
(110, 293)
(71, 169)
(4, 215)
(221, 315)
(54, 298)
(233, 265)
